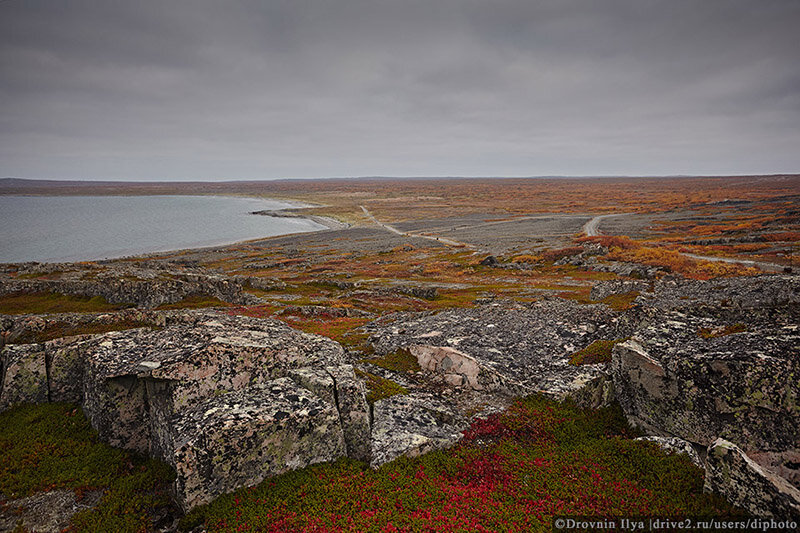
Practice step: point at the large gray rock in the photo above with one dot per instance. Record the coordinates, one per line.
(225, 400)
(458, 369)
(23, 375)
(731, 473)
(240, 438)
(743, 386)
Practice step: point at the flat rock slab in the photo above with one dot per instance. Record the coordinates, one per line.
(518, 348)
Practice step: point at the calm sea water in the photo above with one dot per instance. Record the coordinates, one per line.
(77, 228)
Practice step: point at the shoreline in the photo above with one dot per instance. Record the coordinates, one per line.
(327, 223)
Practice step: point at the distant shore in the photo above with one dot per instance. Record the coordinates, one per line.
(54, 229)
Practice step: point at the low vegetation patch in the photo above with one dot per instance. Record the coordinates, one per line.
(61, 329)
(710, 333)
(398, 361)
(512, 472)
(560, 253)
(341, 329)
(52, 446)
(379, 388)
(527, 258)
(40, 303)
(620, 302)
(597, 352)
(676, 262)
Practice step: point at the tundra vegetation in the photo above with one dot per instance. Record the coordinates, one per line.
(511, 471)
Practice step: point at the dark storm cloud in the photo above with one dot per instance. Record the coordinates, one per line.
(255, 89)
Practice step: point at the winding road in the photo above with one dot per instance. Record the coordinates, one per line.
(592, 229)
(387, 227)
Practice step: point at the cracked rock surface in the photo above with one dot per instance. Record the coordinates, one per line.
(225, 400)
(700, 372)
(505, 346)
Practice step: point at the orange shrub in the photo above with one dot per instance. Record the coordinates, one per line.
(789, 236)
(679, 263)
(527, 258)
(555, 255)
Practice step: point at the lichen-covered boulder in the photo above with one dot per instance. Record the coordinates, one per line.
(23, 375)
(194, 361)
(731, 473)
(226, 400)
(240, 438)
(700, 376)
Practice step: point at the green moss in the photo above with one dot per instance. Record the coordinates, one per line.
(379, 388)
(52, 446)
(49, 302)
(398, 361)
(597, 352)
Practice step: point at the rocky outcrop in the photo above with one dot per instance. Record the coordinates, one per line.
(604, 289)
(730, 472)
(26, 329)
(718, 295)
(701, 378)
(138, 287)
(504, 346)
(718, 359)
(225, 400)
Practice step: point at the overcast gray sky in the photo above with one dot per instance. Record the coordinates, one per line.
(191, 89)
